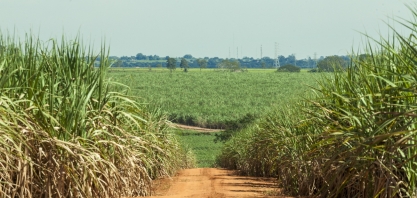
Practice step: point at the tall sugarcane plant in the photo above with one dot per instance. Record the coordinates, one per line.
(64, 134)
(355, 137)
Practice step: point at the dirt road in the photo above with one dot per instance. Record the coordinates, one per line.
(214, 183)
(194, 128)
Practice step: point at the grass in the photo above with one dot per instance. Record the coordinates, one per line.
(203, 146)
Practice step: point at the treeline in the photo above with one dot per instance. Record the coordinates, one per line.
(141, 60)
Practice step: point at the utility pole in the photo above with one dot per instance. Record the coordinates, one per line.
(315, 59)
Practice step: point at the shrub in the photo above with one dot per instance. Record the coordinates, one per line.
(331, 64)
(289, 68)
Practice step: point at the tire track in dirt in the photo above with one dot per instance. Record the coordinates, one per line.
(214, 183)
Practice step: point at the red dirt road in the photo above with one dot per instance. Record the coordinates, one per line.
(214, 183)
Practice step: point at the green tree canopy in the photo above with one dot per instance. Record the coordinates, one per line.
(263, 65)
(171, 63)
(188, 56)
(202, 63)
(289, 68)
(140, 56)
(184, 64)
(331, 64)
(232, 65)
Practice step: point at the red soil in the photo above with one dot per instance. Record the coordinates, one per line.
(214, 183)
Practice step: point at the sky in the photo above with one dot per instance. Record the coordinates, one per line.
(209, 28)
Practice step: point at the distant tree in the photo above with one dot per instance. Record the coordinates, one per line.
(154, 57)
(291, 59)
(263, 65)
(232, 65)
(289, 68)
(118, 63)
(188, 56)
(171, 63)
(184, 64)
(140, 56)
(268, 61)
(331, 64)
(213, 62)
(159, 65)
(125, 58)
(202, 63)
(364, 57)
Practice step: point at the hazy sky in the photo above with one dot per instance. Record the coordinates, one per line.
(207, 27)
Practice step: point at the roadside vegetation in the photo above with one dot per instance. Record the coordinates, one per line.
(64, 132)
(355, 137)
(202, 145)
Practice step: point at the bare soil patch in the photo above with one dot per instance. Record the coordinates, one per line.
(214, 183)
(194, 128)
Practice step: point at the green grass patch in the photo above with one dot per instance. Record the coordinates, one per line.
(203, 146)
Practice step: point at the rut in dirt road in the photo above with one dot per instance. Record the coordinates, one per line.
(215, 183)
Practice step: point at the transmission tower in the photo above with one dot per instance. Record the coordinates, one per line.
(276, 55)
(261, 52)
(276, 64)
